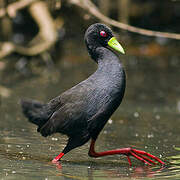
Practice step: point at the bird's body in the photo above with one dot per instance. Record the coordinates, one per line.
(102, 91)
(72, 112)
(82, 111)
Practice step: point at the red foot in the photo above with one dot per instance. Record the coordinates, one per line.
(142, 156)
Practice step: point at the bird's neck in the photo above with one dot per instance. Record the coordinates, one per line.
(107, 59)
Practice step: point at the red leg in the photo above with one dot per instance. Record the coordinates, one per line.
(57, 158)
(129, 160)
(140, 155)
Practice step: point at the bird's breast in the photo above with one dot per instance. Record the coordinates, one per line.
(108, 90)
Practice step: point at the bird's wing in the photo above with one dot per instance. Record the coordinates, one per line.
(70, 116)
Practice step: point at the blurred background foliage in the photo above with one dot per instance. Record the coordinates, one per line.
(35, 33)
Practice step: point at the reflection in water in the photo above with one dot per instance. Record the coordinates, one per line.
(113, 171)
(100, 171)
(135, 172)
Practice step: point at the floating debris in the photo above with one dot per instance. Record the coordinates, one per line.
(54, 139)
(105, 132)
(157, 117)
(4, 92)
(150, 135)
(110, 121)
(136, 114)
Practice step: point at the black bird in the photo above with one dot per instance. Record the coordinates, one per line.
(82, 111)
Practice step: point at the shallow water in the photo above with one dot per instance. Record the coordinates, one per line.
(148, 119)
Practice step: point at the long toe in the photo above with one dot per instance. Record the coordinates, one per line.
(145, 157)
(140, 158)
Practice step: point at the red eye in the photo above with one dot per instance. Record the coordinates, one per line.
(103, 34)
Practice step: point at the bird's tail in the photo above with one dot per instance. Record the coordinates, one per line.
(36, 112)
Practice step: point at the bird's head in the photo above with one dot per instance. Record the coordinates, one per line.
(99, 35)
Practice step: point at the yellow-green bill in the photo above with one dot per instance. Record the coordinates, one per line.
(113, 43)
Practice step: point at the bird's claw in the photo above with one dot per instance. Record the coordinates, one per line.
(143, 156)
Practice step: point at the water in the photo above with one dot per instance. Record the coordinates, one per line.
(147, 119)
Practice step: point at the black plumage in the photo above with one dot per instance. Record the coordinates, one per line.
(82, 111)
